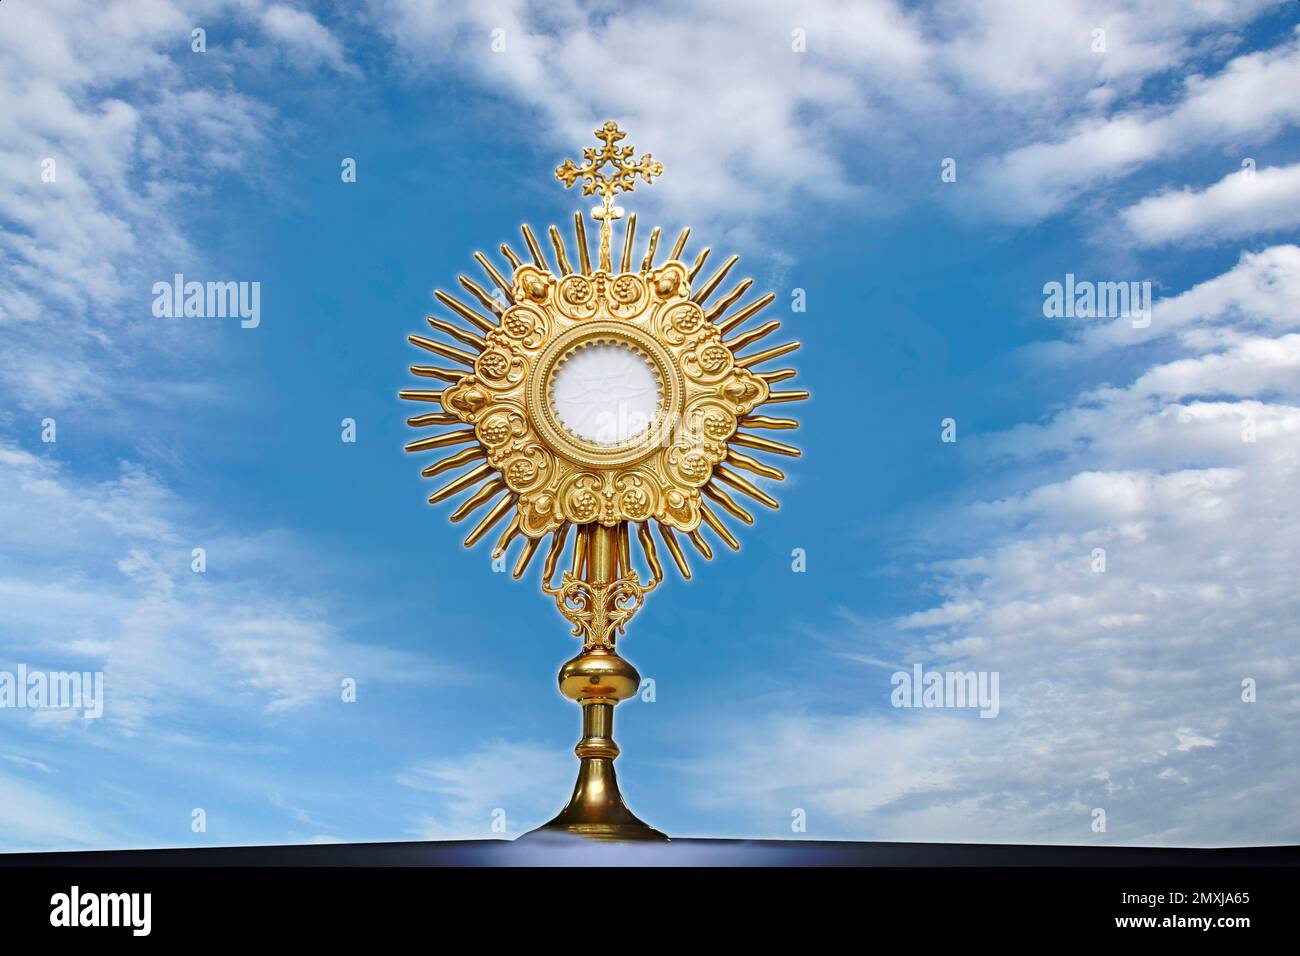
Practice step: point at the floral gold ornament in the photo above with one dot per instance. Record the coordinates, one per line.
(595, 405)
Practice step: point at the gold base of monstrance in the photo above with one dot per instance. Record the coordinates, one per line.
(601, 400)
(598, 679)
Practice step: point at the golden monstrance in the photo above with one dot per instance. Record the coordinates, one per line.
(603, 400)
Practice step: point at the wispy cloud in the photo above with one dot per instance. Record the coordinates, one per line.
(1129, 601)
(513, 785)
(110, 129)
(1238, 106)
(1246, 203)
(100, 577)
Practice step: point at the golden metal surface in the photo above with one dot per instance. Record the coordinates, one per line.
(620, 176)
(549, 480)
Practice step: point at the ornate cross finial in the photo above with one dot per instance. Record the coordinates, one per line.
(621, 178)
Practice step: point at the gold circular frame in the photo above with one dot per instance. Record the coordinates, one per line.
(541, 409)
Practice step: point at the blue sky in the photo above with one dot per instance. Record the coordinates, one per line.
(821, 168)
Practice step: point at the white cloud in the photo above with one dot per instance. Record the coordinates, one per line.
(1120, 689)
(97, 576)
(309, 42)
(105, 92)
(746, 125)
(1261, 294)
(522, 780)
(1244, 203)
(36, 817)
(1246, 102)
(1048, 52)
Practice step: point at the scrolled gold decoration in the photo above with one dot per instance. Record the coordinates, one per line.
(599, 612)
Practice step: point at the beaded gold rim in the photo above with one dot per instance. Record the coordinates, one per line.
(541, 405)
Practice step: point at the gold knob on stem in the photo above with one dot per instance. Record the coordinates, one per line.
(597, 679)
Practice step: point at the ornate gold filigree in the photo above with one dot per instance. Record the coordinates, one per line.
(621, 177)
(557, 476)
(599, 612)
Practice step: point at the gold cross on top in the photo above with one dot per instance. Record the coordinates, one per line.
(620, 178)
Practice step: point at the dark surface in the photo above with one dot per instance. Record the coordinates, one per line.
(562, 851)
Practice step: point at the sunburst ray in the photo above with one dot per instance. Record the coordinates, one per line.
(464, 336)
(649, 261)
(481, 322)
(714, 280)
(534, 248)
(680, 244)
(746, 312)
(441, 348)
(490, 519)
(561, 255)
(486, 480)
(497, 279)
(514, 260)
(457, 460)
(669, 538)
(727, 301)
(482, 496)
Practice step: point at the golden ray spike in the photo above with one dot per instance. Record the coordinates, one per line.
(698, 264)
(463, 457)
(496, 277)
(715, 280)
(765, 444)
(648, 262)
(746, 339)
(478, 499)
(741, 460)
(766, 421)
(534, 248)
(797, 395)
(701, 545)
(729, 504)
(526, 556)
(648, 549)
(558, 537)
(432, 418)
(580, 552)
(476, 342)
(432, 371)
(674, 548)
(728, 300)
(489, 520)
(780, 375)
(457, 485)
(507, 536)
(758, 358)
(680, 244)
(624, 549)
(723, 473)
(629, 236)
(580, 233)
(442, 441)
(480, 322)
(478, 292)
(446, 351)
(720, 529)
(421, 394)
(560, 255)
(514, 260)
(746, 312)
